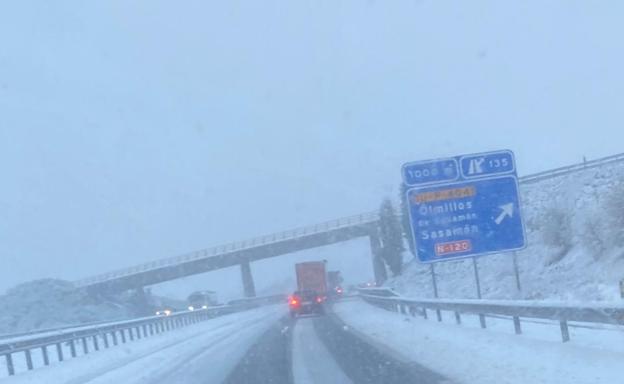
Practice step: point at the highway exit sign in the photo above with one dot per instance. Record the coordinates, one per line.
(464, 206)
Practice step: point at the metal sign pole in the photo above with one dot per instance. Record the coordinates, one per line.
(476, 273)
(435, 289)
(433, 279)
(516, 271)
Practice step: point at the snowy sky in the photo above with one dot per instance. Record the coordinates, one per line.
(136, 130)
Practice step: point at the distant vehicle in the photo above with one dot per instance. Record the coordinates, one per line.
(306, 302)
(334, 283)
(202, 300)
(312, 276)
(164, 311)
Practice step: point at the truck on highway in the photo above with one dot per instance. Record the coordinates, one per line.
(311, 290)
(312, 276)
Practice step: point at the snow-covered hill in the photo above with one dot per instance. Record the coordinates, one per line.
(51, 303)
(575, 231)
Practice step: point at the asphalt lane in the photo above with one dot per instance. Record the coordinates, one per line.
(268, 361)
(324, 350)
(312, 362)
(364, 362)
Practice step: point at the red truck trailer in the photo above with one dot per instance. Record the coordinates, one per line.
(312, 276)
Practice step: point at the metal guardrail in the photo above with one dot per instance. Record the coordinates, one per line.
(552, 173)
(96, 337)
(561, 312)
(364, 218)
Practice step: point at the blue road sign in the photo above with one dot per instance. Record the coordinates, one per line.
(464, 206)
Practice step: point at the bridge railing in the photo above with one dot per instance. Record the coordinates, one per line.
(317, 228)
(516, 309)
(361, 219)
(84, 339)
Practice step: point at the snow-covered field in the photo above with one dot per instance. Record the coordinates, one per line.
(575, 236)
(467, 354)
(203, 352)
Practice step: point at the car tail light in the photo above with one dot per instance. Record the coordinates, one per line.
(319, 299)
(294, 301)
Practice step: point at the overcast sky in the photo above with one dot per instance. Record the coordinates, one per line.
(136, 130)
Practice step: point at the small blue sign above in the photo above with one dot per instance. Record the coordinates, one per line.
(470, 209)
(432, 171)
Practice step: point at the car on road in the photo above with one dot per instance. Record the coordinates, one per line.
(306, 302)
(202, 300)
(164, 311)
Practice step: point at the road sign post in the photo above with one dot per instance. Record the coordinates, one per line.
(464, 206)
(516, 270)
(476, 273)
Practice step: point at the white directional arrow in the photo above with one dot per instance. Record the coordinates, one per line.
(507, 211)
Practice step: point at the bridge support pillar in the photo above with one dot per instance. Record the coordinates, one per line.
(379, 268)
(248, 284)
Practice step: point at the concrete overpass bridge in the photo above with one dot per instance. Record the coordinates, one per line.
(243, 253)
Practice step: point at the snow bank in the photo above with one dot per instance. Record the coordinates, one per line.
(468, 354)
(49, 303)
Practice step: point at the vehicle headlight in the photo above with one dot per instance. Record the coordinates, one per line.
(204, 307)
(191, 308)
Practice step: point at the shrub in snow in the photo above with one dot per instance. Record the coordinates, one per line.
(614, 212)
(556, 232)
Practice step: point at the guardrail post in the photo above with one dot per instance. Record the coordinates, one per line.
(138, 332)
(114, 335)
(517, 328)
(565, 332)
(85, 348)
(457, 318)
(9, 364)
(29, 363)
(96, 345)
(59, 351)
(151, 329)
(72, 347)
(105, 338)
(439, 314)
(131, 333)
(425, 313)
(482, 320)
(123, 335)
(44, 354)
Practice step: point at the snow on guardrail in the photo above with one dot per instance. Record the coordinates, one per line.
(563, 312)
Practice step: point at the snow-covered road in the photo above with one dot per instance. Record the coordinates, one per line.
(354, 343)
(202, 353)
